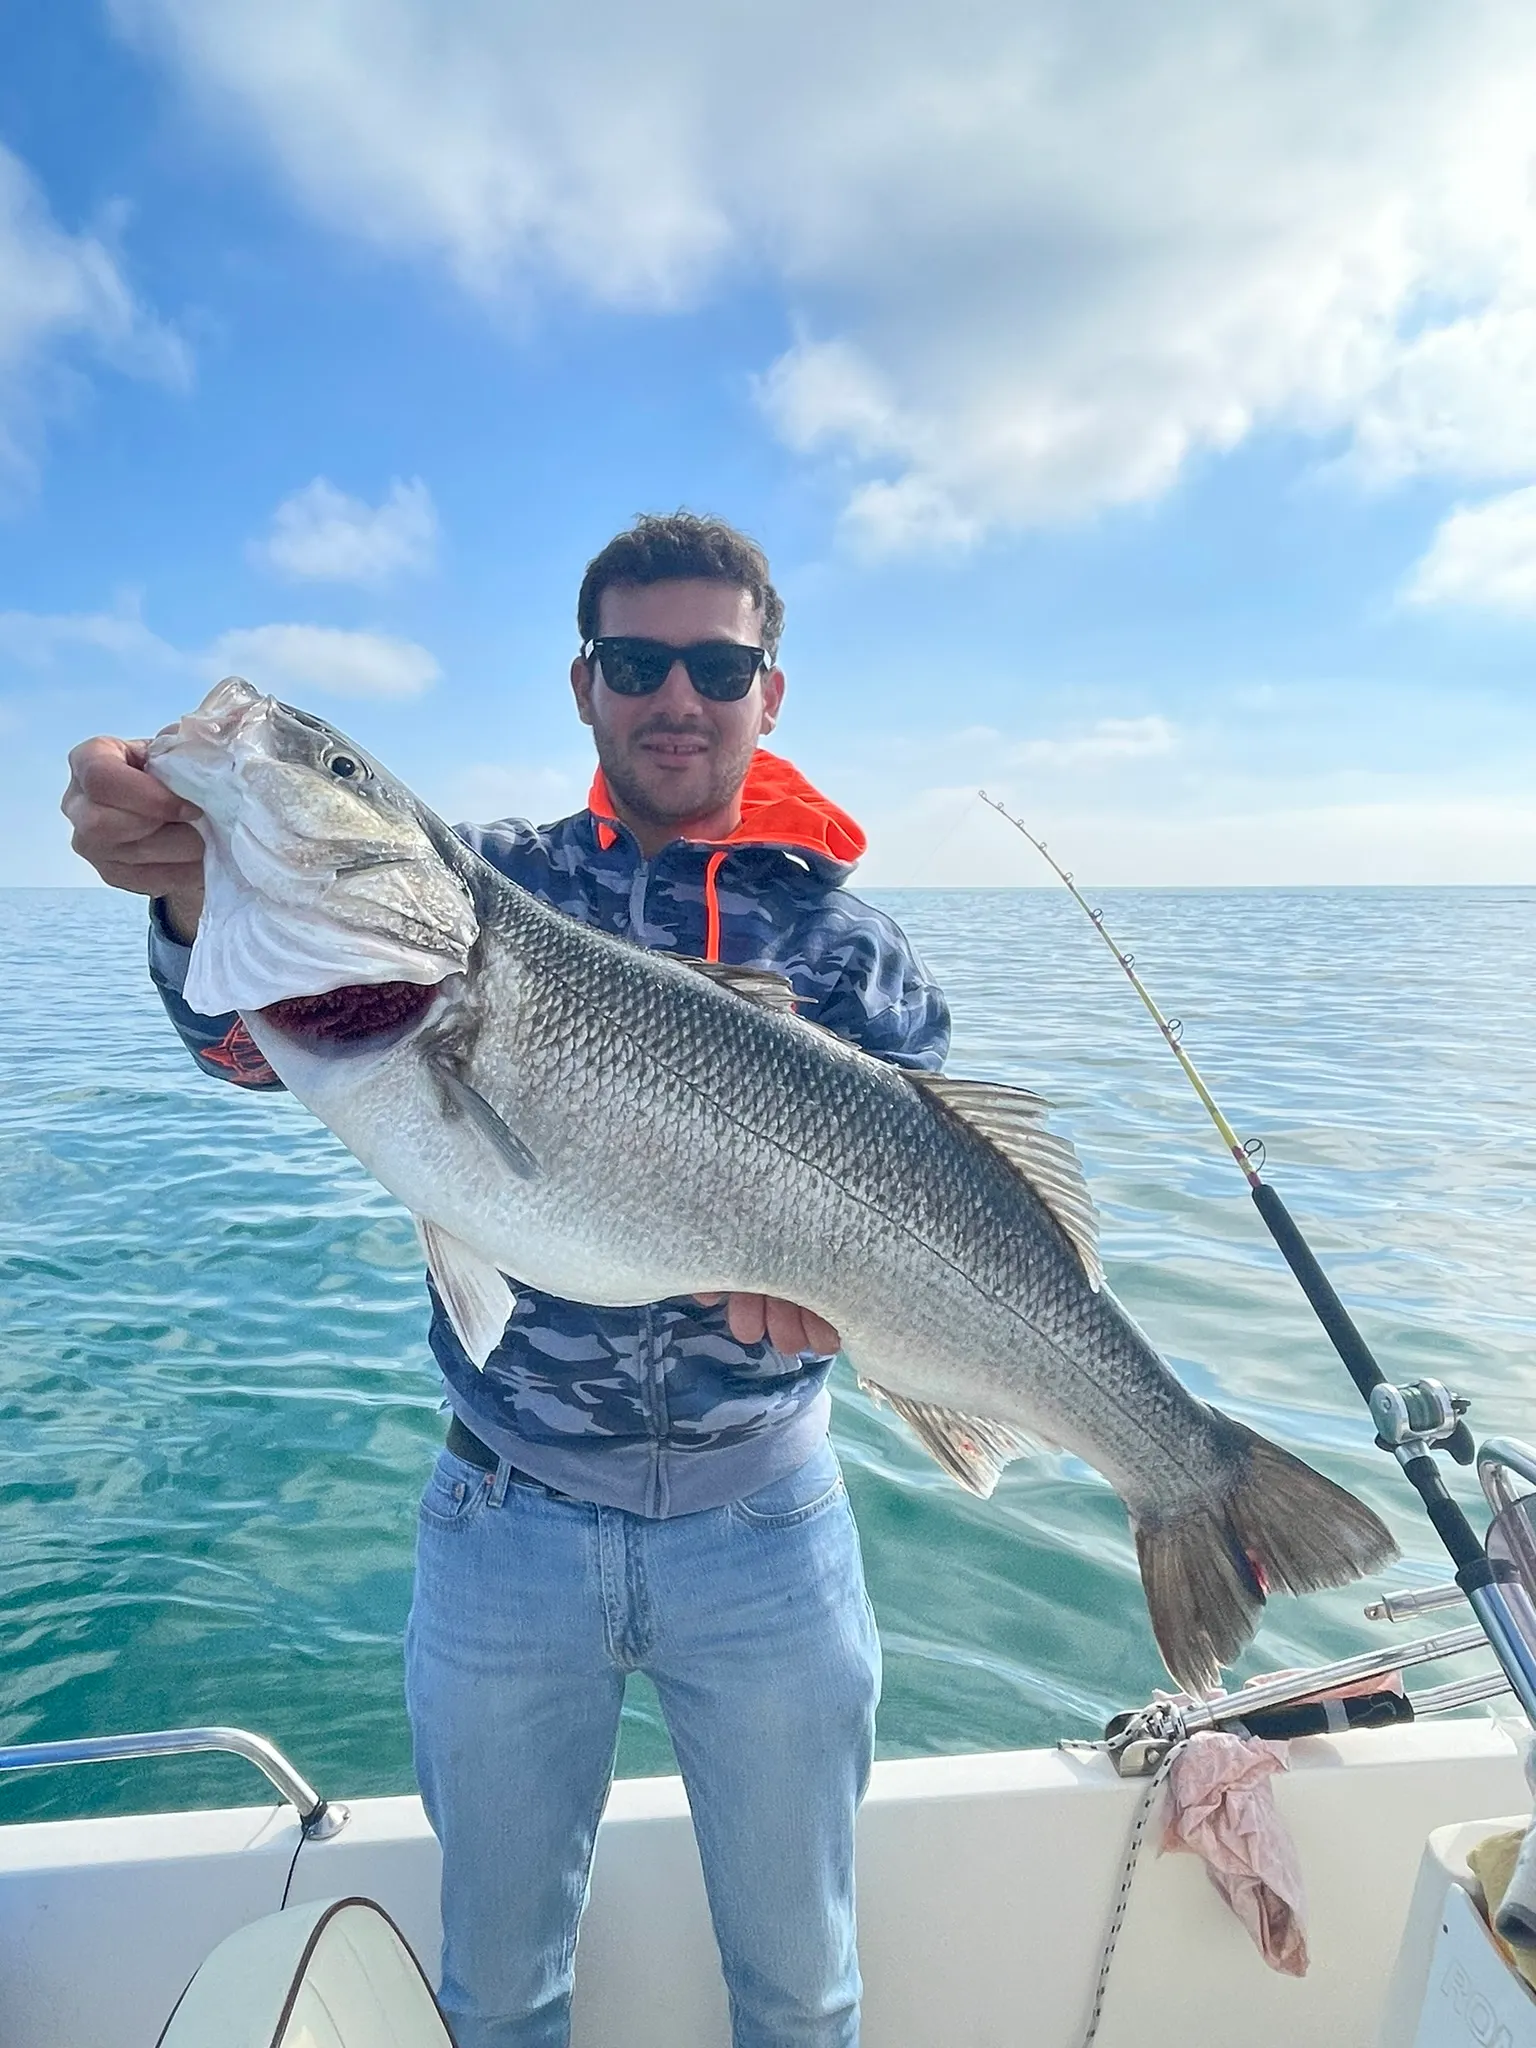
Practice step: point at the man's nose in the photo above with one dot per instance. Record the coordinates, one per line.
(677, 693)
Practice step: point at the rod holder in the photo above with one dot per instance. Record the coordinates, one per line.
(1403, 1606)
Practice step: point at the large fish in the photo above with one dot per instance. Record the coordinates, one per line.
(617, 1126)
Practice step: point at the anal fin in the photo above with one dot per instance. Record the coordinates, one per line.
(970, 1448)
(476, 1296)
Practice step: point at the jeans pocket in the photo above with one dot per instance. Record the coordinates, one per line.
(784, 1503)
(455, 1495)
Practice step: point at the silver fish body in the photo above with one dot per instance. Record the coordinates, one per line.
(619, 1127)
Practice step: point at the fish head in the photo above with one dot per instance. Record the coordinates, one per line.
(320, 870)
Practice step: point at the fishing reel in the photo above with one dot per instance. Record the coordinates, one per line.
(1424, 1414)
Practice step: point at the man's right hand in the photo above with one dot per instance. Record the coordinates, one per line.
(133, 831)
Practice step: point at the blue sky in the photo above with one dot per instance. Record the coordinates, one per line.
(1139, 407)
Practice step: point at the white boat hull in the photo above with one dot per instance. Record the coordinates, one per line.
(985, 1884)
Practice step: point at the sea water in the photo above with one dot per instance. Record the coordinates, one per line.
(217, 1408)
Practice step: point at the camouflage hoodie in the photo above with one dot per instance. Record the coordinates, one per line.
(659, 1409)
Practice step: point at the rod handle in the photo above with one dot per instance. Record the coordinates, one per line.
(1326, 1717)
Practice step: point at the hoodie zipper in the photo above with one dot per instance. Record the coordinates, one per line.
(637, 889)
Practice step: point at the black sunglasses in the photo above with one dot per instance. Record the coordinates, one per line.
(722, 670)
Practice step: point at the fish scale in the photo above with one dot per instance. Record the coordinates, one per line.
(619, 1127)
(863, 1130)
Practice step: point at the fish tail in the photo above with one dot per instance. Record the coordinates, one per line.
(1278, 1526)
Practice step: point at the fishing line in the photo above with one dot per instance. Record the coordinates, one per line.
(1405, 1426)
(1248, 1157)
(953, 827)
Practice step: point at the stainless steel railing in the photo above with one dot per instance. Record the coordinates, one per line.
(1277, 1692)
(319, 1818)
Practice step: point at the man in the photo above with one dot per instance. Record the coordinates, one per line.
(634, 1489)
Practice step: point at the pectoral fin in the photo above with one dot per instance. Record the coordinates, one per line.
(969, 1447)
(463, 1100)
(476, 1296)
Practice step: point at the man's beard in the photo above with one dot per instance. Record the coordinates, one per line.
(727, 773)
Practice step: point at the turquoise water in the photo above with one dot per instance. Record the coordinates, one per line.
(216, 1407)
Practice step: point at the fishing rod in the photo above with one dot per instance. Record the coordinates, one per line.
(1411, 1421)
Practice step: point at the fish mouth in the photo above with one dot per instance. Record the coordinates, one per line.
(367, 1016)
(215, 721)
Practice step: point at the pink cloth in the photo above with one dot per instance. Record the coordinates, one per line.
(1221, 1807)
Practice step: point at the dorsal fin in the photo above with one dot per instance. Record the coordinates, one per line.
(1012, 1120)
(753, 984)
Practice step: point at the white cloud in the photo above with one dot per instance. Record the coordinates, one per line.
(1110, 740)
(295, 659)
(1249, 834)
(472, 131)
(1482, 555)
(1040, 255)
(978, 750)
(321, 535)
(39, 639)
(60, 294)
(1348, 782)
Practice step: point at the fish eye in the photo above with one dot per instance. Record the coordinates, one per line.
(344, 766)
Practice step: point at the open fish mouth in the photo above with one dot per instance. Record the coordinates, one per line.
(215, 722)
(327, 903)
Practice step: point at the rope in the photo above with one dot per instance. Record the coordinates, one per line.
(1123, 1891)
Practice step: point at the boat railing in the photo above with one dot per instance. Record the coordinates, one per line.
(1501, 1460)
(1299, 1702)
(318, 1818)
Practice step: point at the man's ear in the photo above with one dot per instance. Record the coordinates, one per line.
(581, 686)
(773, 697)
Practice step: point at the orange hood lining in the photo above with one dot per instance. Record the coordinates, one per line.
(779, 807)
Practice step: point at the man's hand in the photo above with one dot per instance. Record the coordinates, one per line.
(788, 1328)
(132, 830)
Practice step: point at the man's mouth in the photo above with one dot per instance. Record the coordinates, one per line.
(673, 746)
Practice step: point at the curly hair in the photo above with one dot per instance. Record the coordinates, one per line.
(662, 546)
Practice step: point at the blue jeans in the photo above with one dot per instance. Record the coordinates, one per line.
(753, 1623)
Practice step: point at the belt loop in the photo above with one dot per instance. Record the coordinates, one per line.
(500, 1483)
